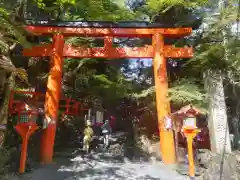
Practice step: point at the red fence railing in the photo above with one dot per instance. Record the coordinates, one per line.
(19, 100)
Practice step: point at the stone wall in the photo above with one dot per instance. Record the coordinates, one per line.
(216, 167)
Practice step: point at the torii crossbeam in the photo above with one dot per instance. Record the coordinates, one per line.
(58, 50)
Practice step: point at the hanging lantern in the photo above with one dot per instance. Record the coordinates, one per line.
(189, 122)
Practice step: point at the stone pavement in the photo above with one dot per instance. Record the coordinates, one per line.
(101, 165)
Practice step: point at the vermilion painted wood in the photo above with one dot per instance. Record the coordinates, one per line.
(159, 52)
(116, 32)
(76, 106)
(111, 53)
(25, 130)
(162, 101)
(53, 94)
(98, 24)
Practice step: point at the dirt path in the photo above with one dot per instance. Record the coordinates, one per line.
(101, 166)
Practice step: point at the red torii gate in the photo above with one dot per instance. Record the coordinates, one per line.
(59, 50)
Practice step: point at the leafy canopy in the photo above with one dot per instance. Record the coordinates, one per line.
(156, 6)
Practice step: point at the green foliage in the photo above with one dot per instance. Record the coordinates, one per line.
(207, 56)
(101, 85)
(10, 32)
(186, 91)
(182, 92)
(209, 42)
(60, 3)
(4, 157)
(106, 10)
(156, 6)
(103, 79)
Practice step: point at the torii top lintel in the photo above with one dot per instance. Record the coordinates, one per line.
(97, 29)
(108, 32)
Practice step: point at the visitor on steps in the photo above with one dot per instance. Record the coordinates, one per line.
(88, 136)
(106, 130)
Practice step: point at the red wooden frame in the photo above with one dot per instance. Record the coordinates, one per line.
(109, 52)
(114, 32)
(71, 109)
(58, 50)
(25, 130)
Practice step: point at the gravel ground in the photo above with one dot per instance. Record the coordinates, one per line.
(101, 166)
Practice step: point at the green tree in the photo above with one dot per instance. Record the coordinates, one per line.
(10, 35)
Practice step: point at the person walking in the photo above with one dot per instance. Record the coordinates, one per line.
(106, 131)
(88, 136)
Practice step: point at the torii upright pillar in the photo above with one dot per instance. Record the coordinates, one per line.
(163, 106)
(52, 98)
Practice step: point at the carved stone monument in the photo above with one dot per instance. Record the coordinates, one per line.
(217, 119)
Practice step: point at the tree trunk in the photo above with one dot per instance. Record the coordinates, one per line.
(176, 144)
(235, 118)
(177, 126)
(217, 119)
(10, 82)
(235, 122)
(3, 79)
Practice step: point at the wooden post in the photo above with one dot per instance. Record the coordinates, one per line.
(163, 106)
(25, 130)
(190, 156)
(190, 134)
(23, 157)
(52, 98)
